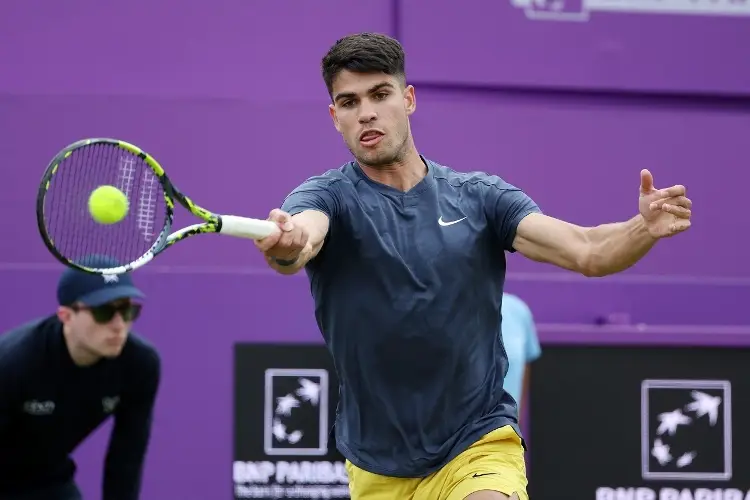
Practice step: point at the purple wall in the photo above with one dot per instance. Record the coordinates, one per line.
(227, 85)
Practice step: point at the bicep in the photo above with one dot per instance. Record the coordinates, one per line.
(545, 239)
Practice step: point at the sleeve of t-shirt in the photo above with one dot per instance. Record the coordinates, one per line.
(316, 193)
(506, 206)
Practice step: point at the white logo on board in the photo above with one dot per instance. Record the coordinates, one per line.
(686, 430)
(39, 408)
(296, 412)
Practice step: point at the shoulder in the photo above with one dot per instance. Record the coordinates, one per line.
(344, 175)
(20, 344)
(142, 353)
(477, 178)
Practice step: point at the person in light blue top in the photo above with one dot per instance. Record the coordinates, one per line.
(521, 345)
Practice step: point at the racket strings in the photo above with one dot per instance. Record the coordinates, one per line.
(71, 228)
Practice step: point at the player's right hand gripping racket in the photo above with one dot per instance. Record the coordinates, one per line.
(73, 236)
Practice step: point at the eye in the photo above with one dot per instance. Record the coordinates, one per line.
(381, 95)
(347, 104)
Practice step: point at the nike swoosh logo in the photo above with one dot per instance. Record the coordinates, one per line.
(443, 223)
(485, 474)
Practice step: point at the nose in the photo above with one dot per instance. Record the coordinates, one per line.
(367, 113)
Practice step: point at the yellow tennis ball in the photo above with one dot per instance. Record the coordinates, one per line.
(108, 205)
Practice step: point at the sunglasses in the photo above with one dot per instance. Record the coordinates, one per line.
(104, 313)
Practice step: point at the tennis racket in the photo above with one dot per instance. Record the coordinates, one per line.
(75, 238)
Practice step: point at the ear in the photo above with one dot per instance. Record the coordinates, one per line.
(64, 314)
(332, 111)
(410, 99)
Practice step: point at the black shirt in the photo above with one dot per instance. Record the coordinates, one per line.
(49, 405)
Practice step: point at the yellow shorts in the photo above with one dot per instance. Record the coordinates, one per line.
(495, 462)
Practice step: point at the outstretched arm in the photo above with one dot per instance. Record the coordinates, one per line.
(126, 454)
(608, 248)
(591, 251)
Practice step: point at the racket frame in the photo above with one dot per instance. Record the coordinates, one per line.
(213, 223)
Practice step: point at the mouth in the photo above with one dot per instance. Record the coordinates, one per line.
(370, 138)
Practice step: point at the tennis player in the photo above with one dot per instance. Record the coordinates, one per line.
(406, 262)
(62, 376)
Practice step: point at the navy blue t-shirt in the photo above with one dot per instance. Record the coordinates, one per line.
(407, 290)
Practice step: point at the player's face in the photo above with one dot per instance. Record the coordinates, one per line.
(371, 111)
(103, 331)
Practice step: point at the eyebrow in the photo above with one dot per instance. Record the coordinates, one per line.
(371, 90)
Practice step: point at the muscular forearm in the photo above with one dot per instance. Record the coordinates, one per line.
(616, 247)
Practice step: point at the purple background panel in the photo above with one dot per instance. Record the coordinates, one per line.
(494, 43)
(644, 335)
(263, 50)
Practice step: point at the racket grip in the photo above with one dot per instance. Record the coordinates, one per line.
(244, 227)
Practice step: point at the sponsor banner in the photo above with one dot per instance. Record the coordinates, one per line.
(640, 423)
(284, 404)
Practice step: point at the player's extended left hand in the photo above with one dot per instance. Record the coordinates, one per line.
(666, 211)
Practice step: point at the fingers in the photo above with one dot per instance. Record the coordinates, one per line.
(283, 219)
(287, 243)
(647, 181)
(290, 244)
(678, 211)
(269, 241)
(677, 205)
(679, 226)
(671, 192)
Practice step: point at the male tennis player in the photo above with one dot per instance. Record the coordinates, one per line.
(62, 376)
(406, 262)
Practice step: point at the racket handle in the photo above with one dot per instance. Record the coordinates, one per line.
(244, 227)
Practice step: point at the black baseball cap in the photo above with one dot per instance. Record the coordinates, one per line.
(94, 290)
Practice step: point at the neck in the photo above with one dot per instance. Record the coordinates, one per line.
(402, 175)
(79, 355)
